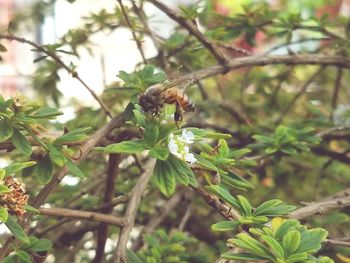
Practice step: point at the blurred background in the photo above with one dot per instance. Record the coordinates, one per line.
(109, 52)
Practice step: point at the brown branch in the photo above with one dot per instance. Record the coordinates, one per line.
(260, 61)
(80, 155)
(336, 242)
(57, 178)
(340, 157)
(102, 233)
(59, 62)
(78, 214)
(131, 210)
(138, 43)
(337, 87)
(8, 145)
(193, 30)
(317, 208)
(223, 209)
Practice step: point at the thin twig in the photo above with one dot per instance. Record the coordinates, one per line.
(102, 233)
(78, 214)
(193, 30)
(320, 207)
(223, 209)
(131, 210)
(59, 62)
(336, 242)
(337, 87)
(57, 178)
(138, 43)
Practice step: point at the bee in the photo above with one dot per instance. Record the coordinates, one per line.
(156, 96)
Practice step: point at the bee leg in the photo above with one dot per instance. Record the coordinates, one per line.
(178, 113)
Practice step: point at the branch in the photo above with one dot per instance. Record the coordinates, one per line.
(59, 62)
(89, 145)
(260, 61)
(138, 43)
(102, 233)
(337, 87)
(78, 214)
(317, 208)
(131, 210)
(336, 242)
(8, 145)
(223, 209)
(191, 27)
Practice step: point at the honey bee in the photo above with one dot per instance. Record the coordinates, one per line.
(156, 96)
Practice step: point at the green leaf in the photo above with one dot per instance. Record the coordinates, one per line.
(133, 257)
(217, 135)
(16, 167)
(39, 59)
(263, 139)
(46, 112)
(223, 148)
(281, 131)
(3, 214)
(205, 163)
(245, 241)
(285, 227)
(44, 169)
(21, 143)
(311, 240)
(31, 209)
(245, 205)
(273, 207)
(74, 169)
(225, 226)
(73, 136)
(125, 147)
(16, 229)
(6, 130)
(225, 195)
(165, 179)
(159, 77)
(56, 156)
(297, 257)
(165, 130)
(140, 118)
(236, 181)
(183, 173)
(39, 245)
(151, 134)
(4, 189)
(291, 242)
(275, 247)
(159, 152)
(24, 257)
(2, 174)
(241, 256)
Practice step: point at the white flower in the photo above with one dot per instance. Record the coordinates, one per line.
(174, 148)
(341, 115)
(178, 146)
(189, 157)
(187, 136)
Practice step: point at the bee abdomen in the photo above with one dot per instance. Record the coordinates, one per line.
(175, 95)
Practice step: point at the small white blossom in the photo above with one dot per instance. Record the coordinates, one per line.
(174, 148)
(187, 136)
(189, 157)
(341, 115)
(178, 146)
